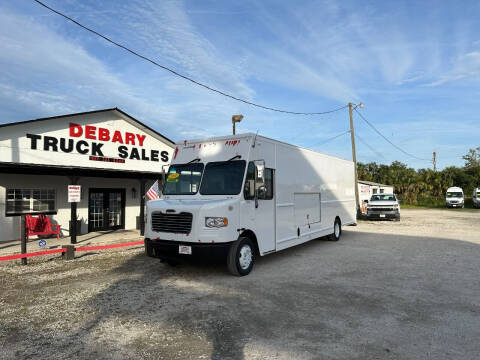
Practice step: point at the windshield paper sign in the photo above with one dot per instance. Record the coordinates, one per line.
(173, 177)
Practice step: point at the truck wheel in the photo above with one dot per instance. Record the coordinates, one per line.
(148, 248)
(241, 257)
(337, 231)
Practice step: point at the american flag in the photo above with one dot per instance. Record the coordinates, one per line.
(153, 193)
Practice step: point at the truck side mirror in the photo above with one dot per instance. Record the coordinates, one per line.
(259, 178)
(260, 173)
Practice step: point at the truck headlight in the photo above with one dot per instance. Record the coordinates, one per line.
(395, 206)
(217, 222)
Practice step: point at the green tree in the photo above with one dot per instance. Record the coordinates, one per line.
(423, 186)
(472, 158)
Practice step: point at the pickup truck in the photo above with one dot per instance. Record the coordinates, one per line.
(383, 206)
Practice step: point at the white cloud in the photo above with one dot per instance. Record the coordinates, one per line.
(466, 66)
(164, 31)
(50, 74)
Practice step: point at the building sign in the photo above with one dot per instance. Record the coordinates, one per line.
(95, 148)
(74, 193)
(107, 159)
(365, 189)
(107, 140)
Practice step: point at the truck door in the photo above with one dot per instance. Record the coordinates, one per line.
(265, 214)
(261, 218)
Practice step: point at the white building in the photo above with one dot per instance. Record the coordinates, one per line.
(367, 188)
(111, 155)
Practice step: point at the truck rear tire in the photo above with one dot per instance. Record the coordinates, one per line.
(241, 257)
(337, 230)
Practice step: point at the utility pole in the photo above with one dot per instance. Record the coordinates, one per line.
(354, 157)
(434, 161)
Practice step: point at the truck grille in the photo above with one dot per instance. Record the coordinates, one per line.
(381, 208)
(172, 223)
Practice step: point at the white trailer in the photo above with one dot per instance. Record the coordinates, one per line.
(244, 196)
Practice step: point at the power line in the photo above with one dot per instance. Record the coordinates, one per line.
(184, 76)
(387, 140)
(368, 146)
(330, 139)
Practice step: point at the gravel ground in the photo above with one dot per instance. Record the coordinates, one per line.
(387, 290)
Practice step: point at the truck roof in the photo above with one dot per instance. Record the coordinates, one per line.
(454, 188)
(252, 135)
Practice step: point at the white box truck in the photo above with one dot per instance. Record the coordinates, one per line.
(243, 196)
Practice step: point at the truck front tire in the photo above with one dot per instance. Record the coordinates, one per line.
(337, 230)
(241, 257)
(148, 248)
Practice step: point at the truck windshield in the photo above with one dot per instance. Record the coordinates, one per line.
(183, 179)
(223, 178)
(383, 197)
(454, 194)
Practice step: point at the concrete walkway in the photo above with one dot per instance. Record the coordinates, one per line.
(90, 239)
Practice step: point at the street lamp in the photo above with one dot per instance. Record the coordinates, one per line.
(235, 119)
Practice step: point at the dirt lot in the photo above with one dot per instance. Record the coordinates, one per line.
(387, 290)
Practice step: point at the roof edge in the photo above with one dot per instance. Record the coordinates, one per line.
(372, 183)
(172, 143)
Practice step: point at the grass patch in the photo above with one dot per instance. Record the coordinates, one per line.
(435, 203)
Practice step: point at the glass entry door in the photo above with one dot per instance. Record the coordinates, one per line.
(106, 209)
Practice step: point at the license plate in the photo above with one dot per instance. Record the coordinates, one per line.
(184, 249)
(382, 215)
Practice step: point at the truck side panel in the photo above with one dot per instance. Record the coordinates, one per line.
(301, 177)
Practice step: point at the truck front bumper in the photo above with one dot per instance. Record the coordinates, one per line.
(454, 205)
(166, 249)
(383, 214)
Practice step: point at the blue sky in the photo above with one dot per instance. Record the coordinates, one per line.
(415, 65)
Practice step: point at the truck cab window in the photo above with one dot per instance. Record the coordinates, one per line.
(183, 179)
(249, 189)
(223, 178)
(268, 195)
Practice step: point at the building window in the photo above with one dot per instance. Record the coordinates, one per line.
(374, 191)
(382, 191)
(28, 201)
